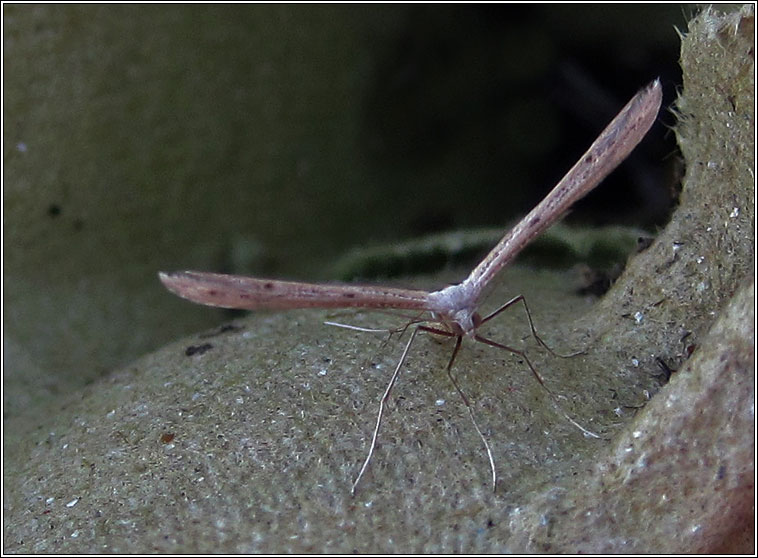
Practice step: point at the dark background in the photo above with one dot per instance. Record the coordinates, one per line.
(270, 139)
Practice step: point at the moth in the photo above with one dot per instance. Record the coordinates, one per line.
(451, 311)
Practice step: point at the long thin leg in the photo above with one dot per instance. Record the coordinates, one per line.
(458, 341)
(516, 352)
(553, 396)
(471, 413)
(379, 415)
(520, 298)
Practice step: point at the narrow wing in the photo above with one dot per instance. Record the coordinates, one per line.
(249, 293)
(613, 145)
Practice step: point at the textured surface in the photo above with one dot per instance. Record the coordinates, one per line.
(246, 439)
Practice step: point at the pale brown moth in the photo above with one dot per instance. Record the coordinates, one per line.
(452, 310)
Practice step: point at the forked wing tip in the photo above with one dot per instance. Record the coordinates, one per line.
(166, 276)
(172, 279)
(654, 87)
